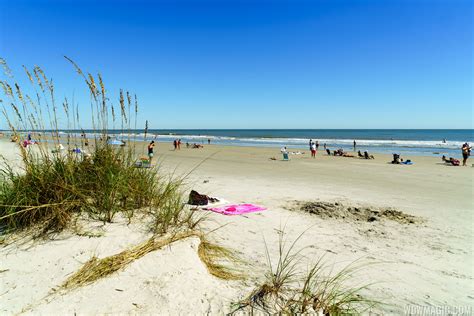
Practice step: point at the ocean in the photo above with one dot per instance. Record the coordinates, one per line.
(417, 142)
(407, 142)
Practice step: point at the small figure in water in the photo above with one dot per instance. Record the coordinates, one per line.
(355, 144)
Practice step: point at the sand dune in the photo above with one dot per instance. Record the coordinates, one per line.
(428, 262)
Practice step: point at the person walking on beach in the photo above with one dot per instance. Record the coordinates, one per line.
(310, 144)
(355, 145)
(325, 146)
(466, 152)
(179, 144)
(317, 145)
(208, 141)
(175, 144)
(151, 145)
(313, 150)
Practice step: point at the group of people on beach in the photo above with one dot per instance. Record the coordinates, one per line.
(177, 144)
(314, 146)
(466, 152)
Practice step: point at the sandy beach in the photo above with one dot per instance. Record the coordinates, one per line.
(428, 262)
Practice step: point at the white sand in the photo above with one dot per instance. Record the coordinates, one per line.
(427, 264)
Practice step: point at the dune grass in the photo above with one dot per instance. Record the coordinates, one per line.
(55, 186)
(219, 261)
(285, 289)
(96, 268)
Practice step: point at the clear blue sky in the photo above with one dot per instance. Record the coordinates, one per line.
(259, 64)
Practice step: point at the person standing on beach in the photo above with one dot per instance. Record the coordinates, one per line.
(175, 144)
(151, 145)
(208, 141)
(325, 146)
(317, 145)
(466, 152)
(355, 144)
(310, 144)
(179, 144)
(313, 150)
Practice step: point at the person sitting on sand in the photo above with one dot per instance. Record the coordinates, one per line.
(451, 161)
(397, 159)
(328, 151)
(339, 152)
(360, 154)
(367, 156)
(187, 144)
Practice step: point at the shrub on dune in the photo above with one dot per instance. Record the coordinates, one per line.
(99, 180)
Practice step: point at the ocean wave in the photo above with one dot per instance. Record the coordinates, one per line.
(281, 141)
(329, 142)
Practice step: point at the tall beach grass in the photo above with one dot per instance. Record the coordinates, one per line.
(289, 289)
(54, 185)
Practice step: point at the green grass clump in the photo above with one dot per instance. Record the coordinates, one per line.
(54, 186)
(287, 290)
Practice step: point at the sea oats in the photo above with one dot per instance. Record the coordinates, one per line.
(38, 79)
(28, 74)
(6, 70)
(18, 92)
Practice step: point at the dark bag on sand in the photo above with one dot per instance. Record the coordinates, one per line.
(200, 199)
(197, 199)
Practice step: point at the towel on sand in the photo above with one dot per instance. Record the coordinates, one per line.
(237, 209)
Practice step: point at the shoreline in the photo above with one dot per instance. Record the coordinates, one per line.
(427, 147)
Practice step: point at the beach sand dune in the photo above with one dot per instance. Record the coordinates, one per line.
(422, 257)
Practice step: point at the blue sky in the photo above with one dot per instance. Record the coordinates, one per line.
(258, 64)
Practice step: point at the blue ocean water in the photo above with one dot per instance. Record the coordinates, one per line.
(407, 142)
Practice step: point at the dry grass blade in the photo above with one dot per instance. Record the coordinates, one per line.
(218, 260)
(96, 269)
(212, 256)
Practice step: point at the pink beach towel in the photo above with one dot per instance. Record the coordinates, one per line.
(237, 209)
